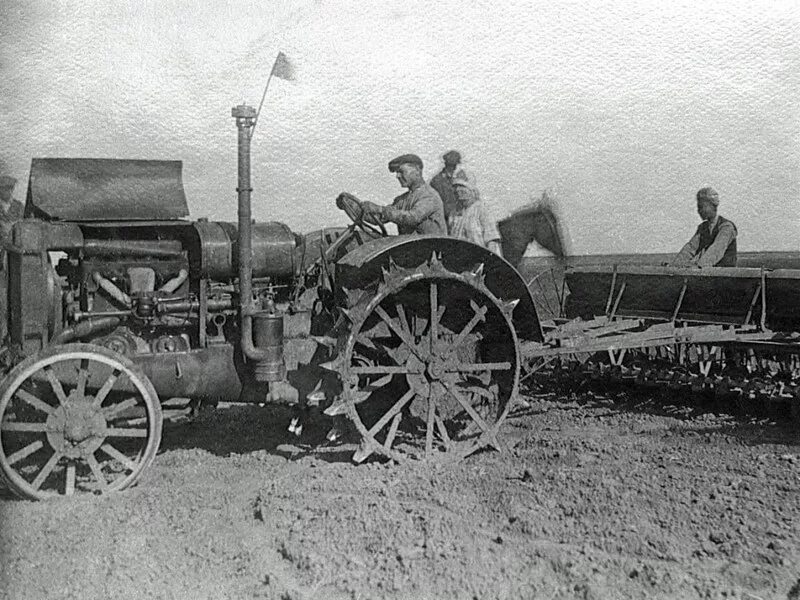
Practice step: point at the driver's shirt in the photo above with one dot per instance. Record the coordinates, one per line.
(417, 211)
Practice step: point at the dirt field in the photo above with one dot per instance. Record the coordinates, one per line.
(592, 500)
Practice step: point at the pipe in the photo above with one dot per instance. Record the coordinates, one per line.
(111, 289)
(176, 282)
(245, 120)
(85, 328)
(185, 305)
(150, 248)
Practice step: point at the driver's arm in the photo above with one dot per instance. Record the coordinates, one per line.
(423, 207)
(684, 257)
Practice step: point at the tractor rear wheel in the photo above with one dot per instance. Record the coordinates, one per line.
(430, 365)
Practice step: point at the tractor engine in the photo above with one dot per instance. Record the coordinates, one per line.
(106, 256)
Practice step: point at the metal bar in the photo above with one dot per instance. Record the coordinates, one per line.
(532, 371)
(680, 299)
(616, 302)
(264, 95)
(555, 286)
(202, 321)
(544, 297)
(611, 290)
(763, 322)
(616, 361)
(752, 305)
(563, 297)
(680, 335)
(534, 278)
(614, 327)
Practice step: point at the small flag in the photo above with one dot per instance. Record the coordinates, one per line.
(283, 68)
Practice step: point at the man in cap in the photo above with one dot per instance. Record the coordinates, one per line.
(714, 242)
(468, 219)
(443, 181)
(419, 210)
(11, 210)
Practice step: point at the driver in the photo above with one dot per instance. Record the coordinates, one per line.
(420, 209)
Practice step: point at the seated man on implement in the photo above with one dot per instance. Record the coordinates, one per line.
(420, 209)
(714, 242)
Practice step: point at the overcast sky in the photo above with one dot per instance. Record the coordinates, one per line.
(623, 109)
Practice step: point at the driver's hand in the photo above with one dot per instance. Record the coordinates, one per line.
(372, 209)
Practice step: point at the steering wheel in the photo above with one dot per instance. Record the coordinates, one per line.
(352, 208)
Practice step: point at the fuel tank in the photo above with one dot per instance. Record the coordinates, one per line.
(274, 250)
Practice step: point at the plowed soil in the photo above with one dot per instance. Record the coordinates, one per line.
(592, 499)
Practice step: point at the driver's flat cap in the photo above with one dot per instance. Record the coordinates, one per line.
(405, 159)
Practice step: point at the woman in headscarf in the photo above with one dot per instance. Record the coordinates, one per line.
(469, 219)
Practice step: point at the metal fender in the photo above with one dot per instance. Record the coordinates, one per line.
(363, 265)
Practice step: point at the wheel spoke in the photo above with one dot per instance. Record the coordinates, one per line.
(404, 337)
(24, 452)
(477, 367)
(106, 387)
(46, 470)
(442, 431)
(98, 471)
(376, 385)
(69, 485)
(381, 370)
(401, 314)
(478, 391)
(364, 340)
(392, 431)
(470, 411)
(480, 315)
(56, 385)
(398, 406)
(126, 432)
(430, 425)
(114, 453)
(112, 411)
(83, 376)
(364, 451)
(35, 402)
(440, 313)
(24, 427)
(434, 315)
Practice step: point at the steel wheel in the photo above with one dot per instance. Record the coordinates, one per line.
(430, 365)
(76, 418)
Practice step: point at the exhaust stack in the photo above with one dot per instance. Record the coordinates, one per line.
(267, 351)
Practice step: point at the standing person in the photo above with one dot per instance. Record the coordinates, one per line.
(419, 210)
(11, 210)
(714, 242)
(469, 219)
(443, 181)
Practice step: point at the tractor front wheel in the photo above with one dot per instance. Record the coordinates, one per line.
(76, 418)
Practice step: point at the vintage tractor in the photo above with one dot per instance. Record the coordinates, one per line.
(114, 302)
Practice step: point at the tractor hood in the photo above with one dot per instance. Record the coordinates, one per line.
(105, 189)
